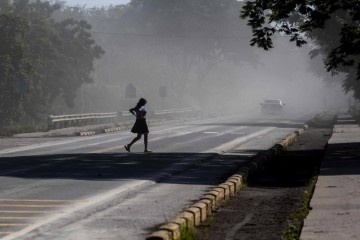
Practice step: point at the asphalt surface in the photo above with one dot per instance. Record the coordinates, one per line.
(91, 188)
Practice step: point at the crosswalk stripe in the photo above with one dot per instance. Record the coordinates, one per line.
(153, 140)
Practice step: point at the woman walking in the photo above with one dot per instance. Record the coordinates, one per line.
(140, 127)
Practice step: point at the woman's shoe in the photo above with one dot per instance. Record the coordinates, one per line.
(148, 151)
(127, 148)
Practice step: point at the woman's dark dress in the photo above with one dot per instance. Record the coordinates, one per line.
(140, 125)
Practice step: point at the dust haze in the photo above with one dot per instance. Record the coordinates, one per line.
(214, 67)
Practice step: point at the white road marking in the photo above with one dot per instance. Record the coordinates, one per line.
(83, 139)
(47, 144)
(236, 142)
(173, 134)
(91, 201)
(231, 234)
(128, 186)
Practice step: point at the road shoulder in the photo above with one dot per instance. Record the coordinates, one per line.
(335, 205)
(266, 207)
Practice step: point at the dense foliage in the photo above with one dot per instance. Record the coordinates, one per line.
(13, 65)
(332, 25)
(41, 59)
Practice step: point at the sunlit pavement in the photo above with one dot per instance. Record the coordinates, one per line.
(335, 204)
(50, 189)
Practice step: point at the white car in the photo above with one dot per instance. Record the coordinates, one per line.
(272, 107)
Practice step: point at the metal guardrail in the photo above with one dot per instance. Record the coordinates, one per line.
(70, 120)
(61, 121)
(172, 111)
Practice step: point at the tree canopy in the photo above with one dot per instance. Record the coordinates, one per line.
(13, 64)
(332, 25)
(47, 59)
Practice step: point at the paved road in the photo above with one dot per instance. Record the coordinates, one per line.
(91, 188)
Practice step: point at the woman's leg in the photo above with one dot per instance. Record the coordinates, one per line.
(146, 142)
(133, 141)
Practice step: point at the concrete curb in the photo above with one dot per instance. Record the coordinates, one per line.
(200, 211)
(86, 133)
(114, 129)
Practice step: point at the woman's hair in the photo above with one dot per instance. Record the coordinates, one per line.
(141, 103)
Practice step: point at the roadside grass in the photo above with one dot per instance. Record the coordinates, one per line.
(296, 221)
(209, 222)
(187, 233)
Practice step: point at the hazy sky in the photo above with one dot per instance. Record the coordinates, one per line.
(96, 3)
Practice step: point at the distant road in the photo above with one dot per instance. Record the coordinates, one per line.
(91, 188)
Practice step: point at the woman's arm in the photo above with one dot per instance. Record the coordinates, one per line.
(135, 112)
(132, 111)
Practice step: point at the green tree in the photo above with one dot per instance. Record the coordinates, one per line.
(14, 68)
(62, 52)
(332, 25)
(5, 6)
